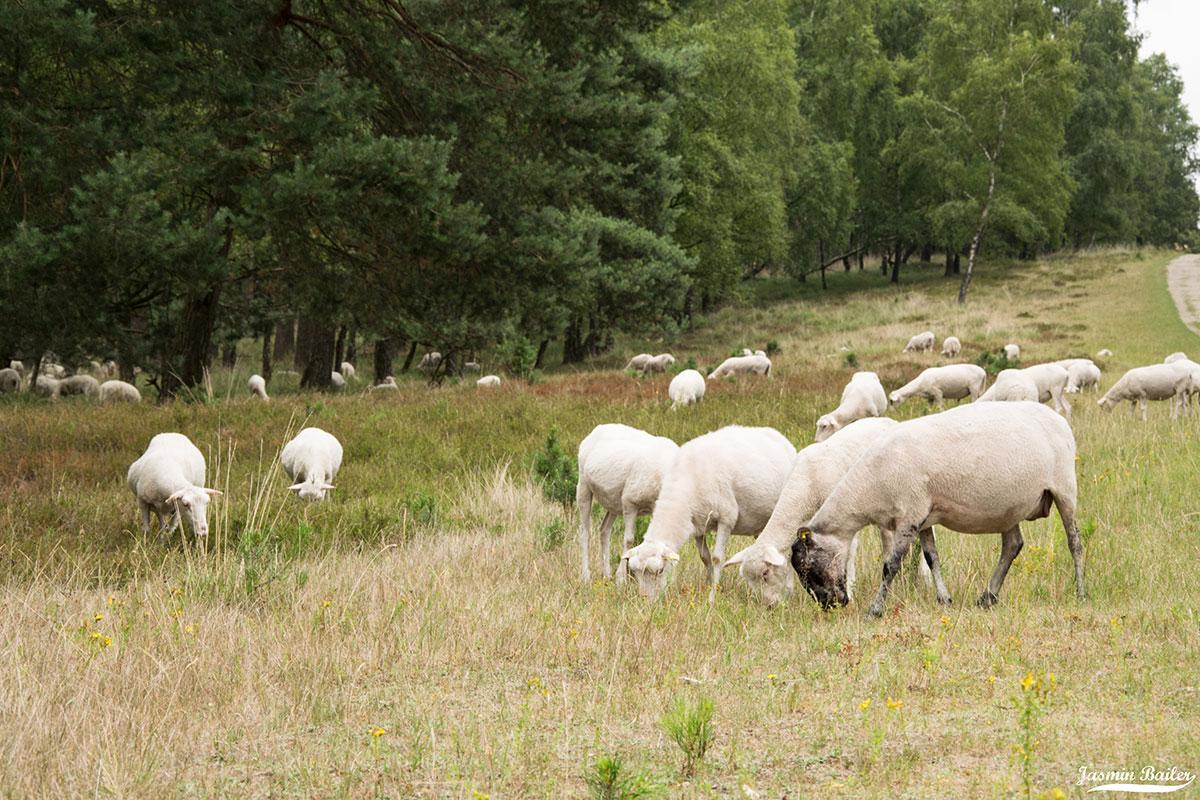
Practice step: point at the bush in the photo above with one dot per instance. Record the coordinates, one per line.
(773, 347)
(851, 360)
(551, 534)
(680, 366)
(690, 727)
(518, 355)
(608, 779)
(422, 509)
(993, 363)
(556, 471)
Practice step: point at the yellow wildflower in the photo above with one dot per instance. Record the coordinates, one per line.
(864, 705)
(991, 678)
(945, 621)
(894, 705)
(190, 629)
(772, 677)
(326, 603)
(1028, 681)
(98, 618)
(376, 732)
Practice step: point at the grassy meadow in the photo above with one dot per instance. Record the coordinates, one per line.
(424, 633)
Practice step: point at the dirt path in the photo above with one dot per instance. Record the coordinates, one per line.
(1183, 279)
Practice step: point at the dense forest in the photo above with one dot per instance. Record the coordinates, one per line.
(177, 176)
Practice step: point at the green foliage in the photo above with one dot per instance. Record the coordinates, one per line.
(421, 509)
(551, 534)
(265, 553)
(555, 471)
(851, 360)
(518, 355)
(994, 363)
(610, 779)
(690, 727)
(773, 347)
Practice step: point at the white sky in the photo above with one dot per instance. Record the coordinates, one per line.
(1173, 27)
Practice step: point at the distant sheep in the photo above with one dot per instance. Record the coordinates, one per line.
(336, 380)
(638, 362)
(53, 369)
(430, 360)
(686, 388)
(1012, 352)
(47, 386)
(863, 397)
(1012, 386)
(659, 363)
(951, 347)
(312, 459)
(10, 381)
(115, 391)
(258, 387)
(742, 365)
(17, 366)
(1141, 384)
(1049, 380)
(938, 384)
(168, 479)
(85, 385)
(1104, 353)
(921, 343)
(472, 366)
(1082, 373)
(388, 384)
(348, 371)
(491, 381)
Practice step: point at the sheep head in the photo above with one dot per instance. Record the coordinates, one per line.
(826, 426)
(821, 567)
(313, 491)
(766, 572)
(192, 505)
(651, 563)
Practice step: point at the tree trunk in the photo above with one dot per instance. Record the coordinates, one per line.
(912, 248)
(862, 255)
(926, 253)
(896, 263)
(412, 353)
(229, 355)
(821, 260)
(315, 339)
(195, 341)
(339, 348)
(384, 356)
(541, 354)
(266, 352)
(573, 343)
(883, 263)
(949, 262)
(285, 340)
(352, 347)
(983, 215)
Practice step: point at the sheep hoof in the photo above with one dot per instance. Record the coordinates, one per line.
(876, 610)
(986, 600)
(945, 600)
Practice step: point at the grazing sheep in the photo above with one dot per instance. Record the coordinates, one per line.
(1140, 384)
(1082, 373)
(742, 365)
(430, 360)
(622, 469)
(169, 477)
(686, 388)
(938, 384)
(638, 362)
(17, 366)
(921, 343)
(348, 371)
(387, 384)
(765, 564)
(746, 351)
(472, 366)
(659, 363)
(729, 480)
(115, 391)
(53, 369)
(1050, 381)
(760, 353)
(10, 380)
(1171, 359)
(47, 386)
(1192, 387)
(951, 347)
(981, 468)
(1012, 352)
(488, 381)
(863, 397)
(111, 370)
(312, 459)
(1104, 353)
(258, 387)
(1011, 386)
(336, 380)
(80, 384)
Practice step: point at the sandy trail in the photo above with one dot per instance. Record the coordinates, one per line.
(1183, 279)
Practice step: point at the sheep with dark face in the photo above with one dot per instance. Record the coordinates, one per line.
(981, 468)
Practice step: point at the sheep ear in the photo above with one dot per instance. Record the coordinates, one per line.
(774, 557)
(671, 556)
(175, 496)
(295, 487)
(328, 486)
(214, 492)
(736, 558)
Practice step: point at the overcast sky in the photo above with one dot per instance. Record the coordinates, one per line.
(1173, 27)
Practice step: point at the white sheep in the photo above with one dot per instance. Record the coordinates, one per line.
(348, 371)
(1050, 381)
(10, 380)
(638, 362)
(1104, 353)
(980, 468)
(659, 363)
(430, 360)
(116, 391)
(80, 384)
(951, 347)
(472, 366)
(742, 365)
(17, 366)
(686, 388)
(938, 384)
(746, 351)
(1012, 352)
(53, 369)
(258, 387)
(388, 384)
(48, 386)
(336, 380)
(168, 479)
(1175, 357)
(729, 480)
(760, 353)
(312, 459)
(863, 397)
(1140, 384)
(921, 343)
(1082, 373)
(488, 381)
(1192, 387)
(622, 469)
(1011, 386)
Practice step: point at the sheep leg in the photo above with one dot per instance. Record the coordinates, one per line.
(707, 559)
(606, 526)
(1066, 512)
(933, 565)
(939, 399)
(1011, 544)
(891, 565)
(1143, 405)
(144, 513)
(583, 501)
(718, 558)
(1064, 405)
(631, 516)
(851, 560)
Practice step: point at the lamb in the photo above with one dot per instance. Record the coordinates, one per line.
(386, 385)
(80, 384)
(764, 565)
(863, 397)
(430, 360)
(1020, 460)
(169, 477)
(10, 380)
(312, 459)
(1140, 384)
(686, 388)
(937, 384)
(951, 347)
(1171, 359)
(1012, 352)
(490, 381)
(258, 387)
(638, 362)
(1050, 381)
(742, 365)
(336, 380)
(348, 370)
(921, 343)
(115, 391)
(659, 363)
(622, 469)
(48, 386)
(729, 480)
(1082, 373)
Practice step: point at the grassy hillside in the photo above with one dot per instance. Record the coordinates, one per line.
(425, 633)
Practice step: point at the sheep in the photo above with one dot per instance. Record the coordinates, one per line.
(1082, 373)
(169, 477)
(1104, 353)
(1012, 385)
(258, 387)
(1192, 387)
(53, 369)
(1050, 381)
(980, 468)
(1171, 359)
(951, 347)
(760, 353)
(111, 370)
(921, 343)
(472, 366)
(10, 380)
(686, 388)
(48, 386)
(387, 384)
(348, 371)
(80, 384)
(863, 397)
(659, 363)
(311, 459)
(764, 564)
(638, 362)
(746, 351)
(1012, 352)
(488, 381)
(430, 360)
(1140, 384)
(115, 391)
(729, 480)
(937, 384)
(622, 469)
(742, 365)
(336, 380)
(17, 366)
